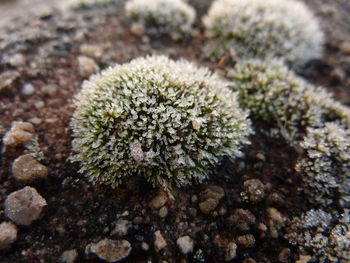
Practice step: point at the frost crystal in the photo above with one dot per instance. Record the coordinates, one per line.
(325, 168)
(263, 29)
(164, 16)
(168, 121)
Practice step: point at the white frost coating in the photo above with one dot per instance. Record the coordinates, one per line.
(264, 28)
(166, 120)
(168, 16)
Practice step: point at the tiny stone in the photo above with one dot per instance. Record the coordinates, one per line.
(207, 206)
(8, 235)
(39, 104)
(337, 75)
(213, 192)
(121, 228)
(111, 250)
(69, 256)
(185, 244)
(255, 188)
(163, 212)
(247, 240)
(87, 66)
(17, 60)
(24, 206)
(275, 221)
(28, 89)
(137, 29)
(20, 133)
(49, 89)
(35, 120)
(159, 200)
(345, 47)
(144, 246)
(159, 241)
(231, 251)
(241, 219)
(8, 79)
(91, 51)
(26, 169)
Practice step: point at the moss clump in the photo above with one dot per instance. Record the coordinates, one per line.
(325, 166)
(168, 121)
(283, 101)
(263, 29)
(162, 16)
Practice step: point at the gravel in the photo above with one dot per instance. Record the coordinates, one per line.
(185, 244)
(110, 250)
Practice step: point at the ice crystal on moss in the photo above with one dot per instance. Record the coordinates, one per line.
(162, 16)
(263, 29)
(168, 121)
(325, 167)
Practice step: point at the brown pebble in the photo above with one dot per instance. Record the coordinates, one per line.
(89, 50)
(337, 75)
(208, 205)
(159, 200)
(137, 29)
(241, 219)
(87, 66)
(8, 235)
(24, 206)
(111, 250)
(159, 241)
(344, 47)
(8, 80)
(26, 169)
(247, 240)
(19, 134)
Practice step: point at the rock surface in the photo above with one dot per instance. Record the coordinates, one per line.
(24, 206)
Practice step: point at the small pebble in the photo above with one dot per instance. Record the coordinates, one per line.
(159, 241)
(121, 228)
(69, 256)
(8, 80)
(144, 246)
(275, 221)
(337, 75)
(208, 206)
(89, 50)
(17, 60)
(87, 66)
(344, 47)
(19, 134)
(159, 200)
(8, 235)
(110, 250)
(24, 206)
(185, 244)
(255, 189)
(28, 89)
(241, 219)
(26, 169)
(49, 89)
(163, 212)
(247, 240)
(137, 29)
(231, 251)
(213, 192)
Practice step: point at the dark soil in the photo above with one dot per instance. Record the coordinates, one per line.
(79, 213)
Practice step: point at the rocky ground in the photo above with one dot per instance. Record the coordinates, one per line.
(239, 215)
